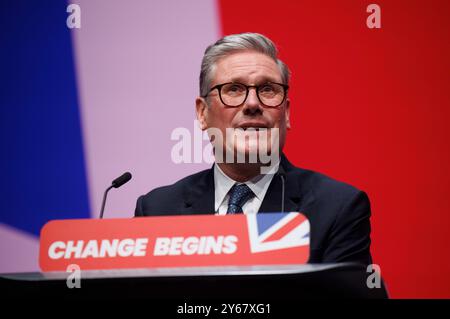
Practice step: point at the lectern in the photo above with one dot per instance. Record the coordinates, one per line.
(268, 282)
(257, 257)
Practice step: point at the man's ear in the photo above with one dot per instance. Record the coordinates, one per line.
(201, 108)
(287, 113)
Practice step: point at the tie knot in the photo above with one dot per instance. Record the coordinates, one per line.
(239, 194)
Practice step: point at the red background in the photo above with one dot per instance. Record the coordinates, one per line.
(371, 107)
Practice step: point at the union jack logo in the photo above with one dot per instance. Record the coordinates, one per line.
(275, 231)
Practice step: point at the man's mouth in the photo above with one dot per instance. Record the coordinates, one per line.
(252, 127)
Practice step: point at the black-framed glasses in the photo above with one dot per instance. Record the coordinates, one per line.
(234, 94)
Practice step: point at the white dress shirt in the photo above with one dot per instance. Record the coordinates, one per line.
(258, 185)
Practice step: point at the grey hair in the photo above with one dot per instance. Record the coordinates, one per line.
(234, 43)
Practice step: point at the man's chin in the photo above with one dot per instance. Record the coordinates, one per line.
(251, 155)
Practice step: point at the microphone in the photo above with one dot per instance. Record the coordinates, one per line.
(282, 174)
(122, 179)
(119, 181)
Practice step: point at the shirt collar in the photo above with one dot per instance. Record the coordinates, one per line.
(223, 183)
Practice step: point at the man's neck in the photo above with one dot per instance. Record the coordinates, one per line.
(241, 172)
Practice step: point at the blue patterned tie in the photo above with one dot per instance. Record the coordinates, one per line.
(239, 194)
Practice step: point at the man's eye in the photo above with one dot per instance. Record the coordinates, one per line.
(266, 88)
(235, 88)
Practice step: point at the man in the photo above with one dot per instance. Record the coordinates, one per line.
(243, 88)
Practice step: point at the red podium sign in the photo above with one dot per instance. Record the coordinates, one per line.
(175, 241)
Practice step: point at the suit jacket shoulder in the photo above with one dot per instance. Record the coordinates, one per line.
(174, 199)
(339, 216)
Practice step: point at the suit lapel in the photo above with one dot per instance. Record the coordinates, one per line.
(199, 198)
(297, 196)
(272, 200)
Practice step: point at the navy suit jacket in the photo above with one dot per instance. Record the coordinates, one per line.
(339, 214)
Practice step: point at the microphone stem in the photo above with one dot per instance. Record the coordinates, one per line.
(104, 201)
(282, 193)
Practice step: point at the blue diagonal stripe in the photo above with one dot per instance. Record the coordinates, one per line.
(42, 162)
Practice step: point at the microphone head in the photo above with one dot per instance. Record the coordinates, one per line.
(122, 179)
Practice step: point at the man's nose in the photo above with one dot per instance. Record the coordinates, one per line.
(252, 104)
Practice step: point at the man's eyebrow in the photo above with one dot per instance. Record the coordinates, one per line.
(260, 80)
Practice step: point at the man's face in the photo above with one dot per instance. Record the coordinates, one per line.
(249, 68)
